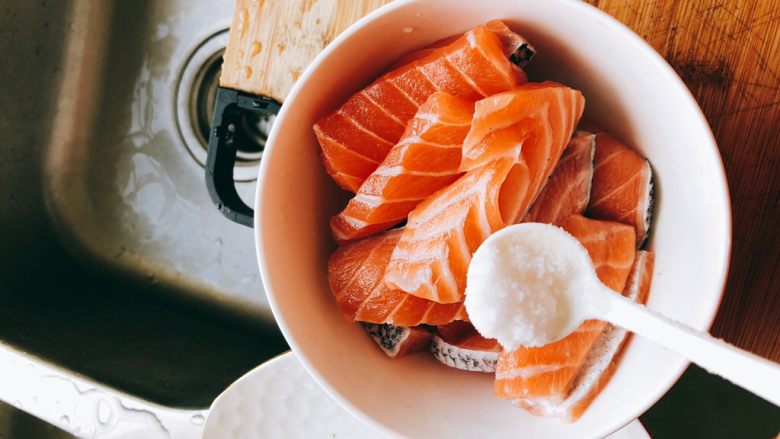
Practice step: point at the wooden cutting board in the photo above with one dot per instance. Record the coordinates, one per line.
(726, 51)
(272, 41)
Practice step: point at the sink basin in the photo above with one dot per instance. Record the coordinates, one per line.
(116, 267)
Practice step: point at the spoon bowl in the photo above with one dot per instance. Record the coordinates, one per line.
(529, 285)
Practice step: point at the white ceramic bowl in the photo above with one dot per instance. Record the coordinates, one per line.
(630, 90)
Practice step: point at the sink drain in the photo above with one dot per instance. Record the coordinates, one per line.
(195, 98)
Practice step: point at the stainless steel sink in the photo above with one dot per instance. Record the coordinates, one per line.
(116, 269)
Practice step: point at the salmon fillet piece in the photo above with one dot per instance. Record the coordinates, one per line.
(355, 274)
(356, 137)
(425, 160)
(622, 186)
(530, 125)
(432, 257)
(602, 359)
(516, 48)
(568, 190)
(508, 123)
(549, 371)
(433, 254)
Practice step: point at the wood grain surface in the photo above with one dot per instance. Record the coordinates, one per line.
(272, 41)
(728, 54)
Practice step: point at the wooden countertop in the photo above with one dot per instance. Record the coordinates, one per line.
(726, 51)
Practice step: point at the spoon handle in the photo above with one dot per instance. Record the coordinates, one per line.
(754, 373)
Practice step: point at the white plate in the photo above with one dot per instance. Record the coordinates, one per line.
(280, 400)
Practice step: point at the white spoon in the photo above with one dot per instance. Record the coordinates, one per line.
(532, 284)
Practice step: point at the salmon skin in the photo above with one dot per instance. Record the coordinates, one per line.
(398, 341)
(356, 137)
(464, 335)
(355, 273)
(567, 192)
(459, 345)
(622, 186)
(425, 160)
(443, 231)
(548, 371)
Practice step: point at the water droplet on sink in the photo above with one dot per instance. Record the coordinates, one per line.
(408, 30)
(240, 53)
(197, 419)
(162, 31)
(104, 412)
(65, 420)
(247, 72)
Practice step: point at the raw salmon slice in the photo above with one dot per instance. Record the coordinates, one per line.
(549, 371)
(433, 254)
(425, 160)
(442, 233)
(459, 345)
(622, 186)
(398, 341)
(422, 53)
(602, 359)
(516, 48)
(533, 122)
(356, 138)
(355, 276)
(568, 190)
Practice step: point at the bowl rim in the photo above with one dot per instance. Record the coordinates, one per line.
(588, 12)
